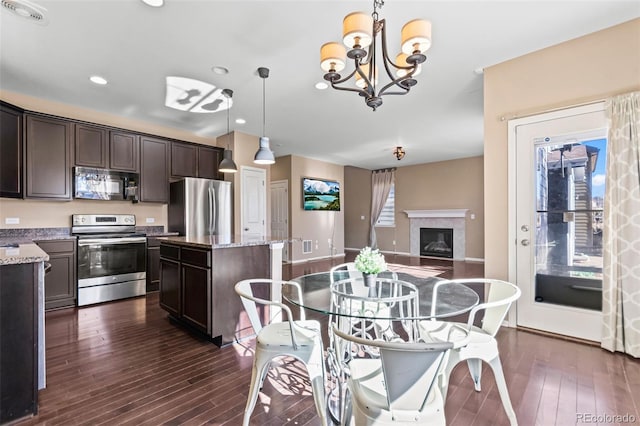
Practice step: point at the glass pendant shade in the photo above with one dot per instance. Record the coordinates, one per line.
(264, 154)
(227, 165)
(332, 57)
(416, 36)
(357, 29)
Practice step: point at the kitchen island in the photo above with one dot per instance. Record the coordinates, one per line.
(197, 279)
(22, 368)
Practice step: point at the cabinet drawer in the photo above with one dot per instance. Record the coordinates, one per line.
(57, 246)
(196, 257)
(170, 252)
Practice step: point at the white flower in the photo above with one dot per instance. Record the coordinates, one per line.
(370, 261)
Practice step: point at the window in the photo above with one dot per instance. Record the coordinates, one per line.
(387, 216)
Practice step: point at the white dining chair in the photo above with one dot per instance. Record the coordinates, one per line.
(300, 339)
(482, 346)
(398, 388)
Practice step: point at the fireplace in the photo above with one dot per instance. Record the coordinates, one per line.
(436, 242)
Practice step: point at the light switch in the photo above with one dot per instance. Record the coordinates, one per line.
(151, 220)
(361, 217)
(12, 221)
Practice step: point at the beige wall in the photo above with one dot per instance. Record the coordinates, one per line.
(454, 184)
(579, 71)
(317, 226)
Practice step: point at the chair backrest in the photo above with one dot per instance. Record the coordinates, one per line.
(410, 369)
(247, 289)
(498, 297)
(344, 271)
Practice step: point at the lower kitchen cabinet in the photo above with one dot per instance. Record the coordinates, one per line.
(60, 286)
(18, 341)
(153, 264)
(185, 285)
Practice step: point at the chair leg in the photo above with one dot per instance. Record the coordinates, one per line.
(496, 366)
(316, 376)
(475, 369)
(258, 373)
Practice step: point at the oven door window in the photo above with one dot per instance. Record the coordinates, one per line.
(105, 259)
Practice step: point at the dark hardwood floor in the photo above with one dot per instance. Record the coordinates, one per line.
(125, 363)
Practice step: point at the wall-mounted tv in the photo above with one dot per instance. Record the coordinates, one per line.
(320, 194)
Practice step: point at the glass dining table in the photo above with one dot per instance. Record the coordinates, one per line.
(319, 292)
(452, 299)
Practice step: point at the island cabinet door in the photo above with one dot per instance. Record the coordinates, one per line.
(196, 296)
(170, 286)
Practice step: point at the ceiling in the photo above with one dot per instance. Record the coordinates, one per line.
(135, 47)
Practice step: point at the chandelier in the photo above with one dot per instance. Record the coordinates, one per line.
(360, 36)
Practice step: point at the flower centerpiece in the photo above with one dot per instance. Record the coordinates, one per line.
(370, 262)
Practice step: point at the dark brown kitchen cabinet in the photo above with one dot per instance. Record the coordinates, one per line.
(153, 264)
(124, 151)
(91, 146)
(10, 151)
(185, 285)
(184, 160)
(49, 157)
(154, 169)
(18, 341)
(209, 158)
(60, 287)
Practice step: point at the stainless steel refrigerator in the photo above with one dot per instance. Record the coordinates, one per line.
(199, 207)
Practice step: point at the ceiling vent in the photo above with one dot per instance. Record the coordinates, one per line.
(26, 9)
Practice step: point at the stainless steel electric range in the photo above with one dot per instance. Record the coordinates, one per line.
(111, 257)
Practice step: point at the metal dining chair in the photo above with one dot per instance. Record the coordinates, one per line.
(482, 346)
(399, 387)
(385, 312)
(300, 339)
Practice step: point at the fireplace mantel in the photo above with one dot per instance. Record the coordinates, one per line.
(415, 214)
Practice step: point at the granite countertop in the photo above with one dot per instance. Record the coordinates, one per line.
(14, 254)
(216, 241)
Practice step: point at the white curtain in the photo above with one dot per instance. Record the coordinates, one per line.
(621, 232)
(381, 181)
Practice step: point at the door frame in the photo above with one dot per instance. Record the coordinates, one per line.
(512, 125)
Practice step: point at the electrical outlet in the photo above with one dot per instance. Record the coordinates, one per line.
(394, 242)
(329, 241)
(151, 220)
(473, 216)
(12, 221)
(361, 217)
(317, 245)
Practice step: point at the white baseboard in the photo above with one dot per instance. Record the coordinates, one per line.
(317, 258)
(474, 259)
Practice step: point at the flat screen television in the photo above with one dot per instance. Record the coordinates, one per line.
(320, 194)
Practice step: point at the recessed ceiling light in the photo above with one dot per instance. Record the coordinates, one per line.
(240, 121)
(153, 3)
(98, 80)
(321, 85)
(220, 70)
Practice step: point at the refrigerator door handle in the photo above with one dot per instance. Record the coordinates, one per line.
(212, 211)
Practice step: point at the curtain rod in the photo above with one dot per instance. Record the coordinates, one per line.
(389, 169)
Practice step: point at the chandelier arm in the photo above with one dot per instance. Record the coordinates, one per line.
(334, 84)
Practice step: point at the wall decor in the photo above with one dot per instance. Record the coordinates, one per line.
(320, 194)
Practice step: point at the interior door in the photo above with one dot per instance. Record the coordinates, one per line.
(254, 207)
(280, 213)
(560, 166)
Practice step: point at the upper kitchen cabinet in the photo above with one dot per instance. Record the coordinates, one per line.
(48, 157)
(91, 146)
(10, 151)
(154, 169)
(208, 159)
(123, 151)
(98, 147)
(184, 160)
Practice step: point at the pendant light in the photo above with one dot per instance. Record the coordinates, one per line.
(227, 165)
(264, 154)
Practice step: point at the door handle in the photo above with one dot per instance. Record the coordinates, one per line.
(524, 242)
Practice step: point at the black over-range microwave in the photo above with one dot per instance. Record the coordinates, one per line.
(103, 184)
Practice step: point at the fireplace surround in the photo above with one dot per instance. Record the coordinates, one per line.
(454, 219)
